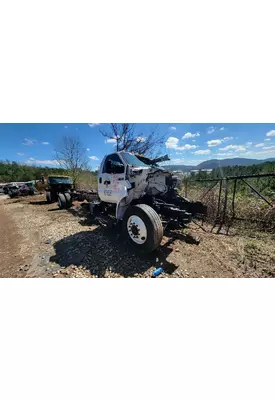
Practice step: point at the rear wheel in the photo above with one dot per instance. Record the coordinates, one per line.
(61, 201)
(68, 200)
(143, 228)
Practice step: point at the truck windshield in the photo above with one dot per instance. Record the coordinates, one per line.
(132, 160)
(57, 180)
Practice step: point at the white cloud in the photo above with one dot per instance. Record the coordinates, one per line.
(32, 160)
(140, 139)
(233, 147)
(266, 140)
(94, 158)
(172, 128)
(268, 147)
(93, 125)
(172, 142)
(217, 142)
(271, 151)
(187, 147)
(110, 141)
(189, 135)
(222, 129)
(176, 161)
(88, 149)
(207, 151)
(212, 143)
(249, 143)
(271, 133)
(20, 154)
(211, 130)
(259, 145)
(29, 142)
(225, 154)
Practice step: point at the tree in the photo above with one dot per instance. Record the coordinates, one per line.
(71, 155)
(125, 137)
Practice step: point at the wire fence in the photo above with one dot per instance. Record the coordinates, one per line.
(236, 200)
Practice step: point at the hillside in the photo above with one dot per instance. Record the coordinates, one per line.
(211, 164)
(229, 162)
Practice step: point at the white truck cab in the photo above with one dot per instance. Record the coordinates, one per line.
(142, 193)
(121, 175)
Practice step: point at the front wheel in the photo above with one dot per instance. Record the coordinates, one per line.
(143, 228)
(61, 201)
(68, 200)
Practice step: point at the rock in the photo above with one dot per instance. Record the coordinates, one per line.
(48, 241)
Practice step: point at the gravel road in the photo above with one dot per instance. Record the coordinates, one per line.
(42, 241)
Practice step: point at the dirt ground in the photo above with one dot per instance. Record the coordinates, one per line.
(39, 240)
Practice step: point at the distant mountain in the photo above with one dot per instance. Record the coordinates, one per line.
(180, 167)
(211, 164)
(230, 162)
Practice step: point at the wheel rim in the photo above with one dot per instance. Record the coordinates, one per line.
(137, 229)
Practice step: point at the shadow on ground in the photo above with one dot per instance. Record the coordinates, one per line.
(38, 203)
(102, 250)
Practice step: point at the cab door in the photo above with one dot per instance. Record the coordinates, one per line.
(112, 185)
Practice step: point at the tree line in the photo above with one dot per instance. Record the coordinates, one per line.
(11, 171)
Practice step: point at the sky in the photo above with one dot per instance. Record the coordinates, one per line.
(189, 144)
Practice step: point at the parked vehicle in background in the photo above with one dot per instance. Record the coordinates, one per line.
(14, 190)
(11, 190)
(59, 189)
(26, 190)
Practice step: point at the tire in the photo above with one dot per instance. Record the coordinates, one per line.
(142, 220)
(68, 200)
(62, 201)
(48, 197)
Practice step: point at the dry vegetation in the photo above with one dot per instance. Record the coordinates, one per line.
(256, 213)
